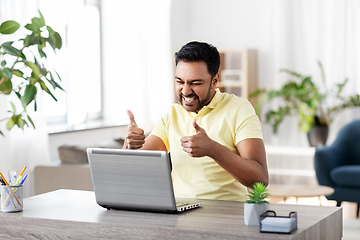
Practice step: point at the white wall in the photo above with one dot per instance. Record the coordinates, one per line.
(232, 24)
(273, 28)
(226, 24)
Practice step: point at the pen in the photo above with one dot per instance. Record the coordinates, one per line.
(19, 178)
(23, 180)
(11, 191)
(23, 171)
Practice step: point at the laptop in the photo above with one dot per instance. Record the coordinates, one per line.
(137, 180)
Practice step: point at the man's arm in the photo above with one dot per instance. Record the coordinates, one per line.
(248, 168)
(154, 143)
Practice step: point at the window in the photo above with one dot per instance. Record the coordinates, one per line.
(78, 62)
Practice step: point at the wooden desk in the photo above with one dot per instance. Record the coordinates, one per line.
(73, 214)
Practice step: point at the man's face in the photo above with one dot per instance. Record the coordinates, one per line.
(194, 86)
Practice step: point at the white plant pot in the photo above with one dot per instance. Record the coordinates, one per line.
(252, 213)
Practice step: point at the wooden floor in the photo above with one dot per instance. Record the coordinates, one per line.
(351, 226)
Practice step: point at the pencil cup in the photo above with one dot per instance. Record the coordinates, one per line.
(11, 198)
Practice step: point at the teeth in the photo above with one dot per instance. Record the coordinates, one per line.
(189, 99)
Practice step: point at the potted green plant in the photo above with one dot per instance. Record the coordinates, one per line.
(316, 108)
(22, 70)
(256, 204)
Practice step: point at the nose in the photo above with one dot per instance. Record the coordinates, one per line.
(186, 89)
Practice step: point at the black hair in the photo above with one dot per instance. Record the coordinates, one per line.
(200, 51)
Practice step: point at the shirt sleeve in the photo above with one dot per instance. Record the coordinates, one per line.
(247, 123)
(161, 131)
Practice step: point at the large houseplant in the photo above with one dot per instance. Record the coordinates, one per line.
(315, 107)
(256, 204)
(22, 70)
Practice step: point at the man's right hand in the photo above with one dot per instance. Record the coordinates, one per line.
(135, 137)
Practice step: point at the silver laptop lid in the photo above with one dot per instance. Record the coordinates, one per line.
(132, 179)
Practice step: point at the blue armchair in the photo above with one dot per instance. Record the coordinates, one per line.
(338, 165)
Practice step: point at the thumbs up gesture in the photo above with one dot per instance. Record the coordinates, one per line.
(199, 144)
(135, 137)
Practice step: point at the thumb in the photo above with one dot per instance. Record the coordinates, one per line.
(197, 127)
(132, 118)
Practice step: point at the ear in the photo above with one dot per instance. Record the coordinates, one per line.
(215, 81)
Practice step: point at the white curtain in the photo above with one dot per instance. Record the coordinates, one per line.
(304, 31)
(138, 63)
(29, 147)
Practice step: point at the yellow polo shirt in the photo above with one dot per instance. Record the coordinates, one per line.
(227, 119)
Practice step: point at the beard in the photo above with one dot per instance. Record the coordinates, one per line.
(201, 103)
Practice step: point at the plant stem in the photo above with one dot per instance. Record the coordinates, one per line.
(2, 80)
(5, 119)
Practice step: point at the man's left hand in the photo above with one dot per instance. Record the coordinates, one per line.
(199, 144)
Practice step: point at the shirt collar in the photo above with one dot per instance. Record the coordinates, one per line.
(213, 103)
(216, 99)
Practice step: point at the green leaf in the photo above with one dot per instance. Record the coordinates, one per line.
(3, 63)
(42, 69)
(21, 122)
(58, 40)
(340, 87)
(7, 85)
(36, 71)
(10, 124)
(32, 27)
(18, 95)
(17, 72)
(257, 194)
(31, 121)
(46, 89)
(7, 73)
(41, 19)
(42, 53)
(257, 92)
(6, 46)
(13, 106)
(54, 39)
(292, 73)
(58, 75)
(32, 39)
(29, 95)
(9, 27)
(54, 83)
(38, 22)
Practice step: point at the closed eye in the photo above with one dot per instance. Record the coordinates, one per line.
(196, 83)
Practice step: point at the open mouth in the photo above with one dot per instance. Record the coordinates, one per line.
(189, 99)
